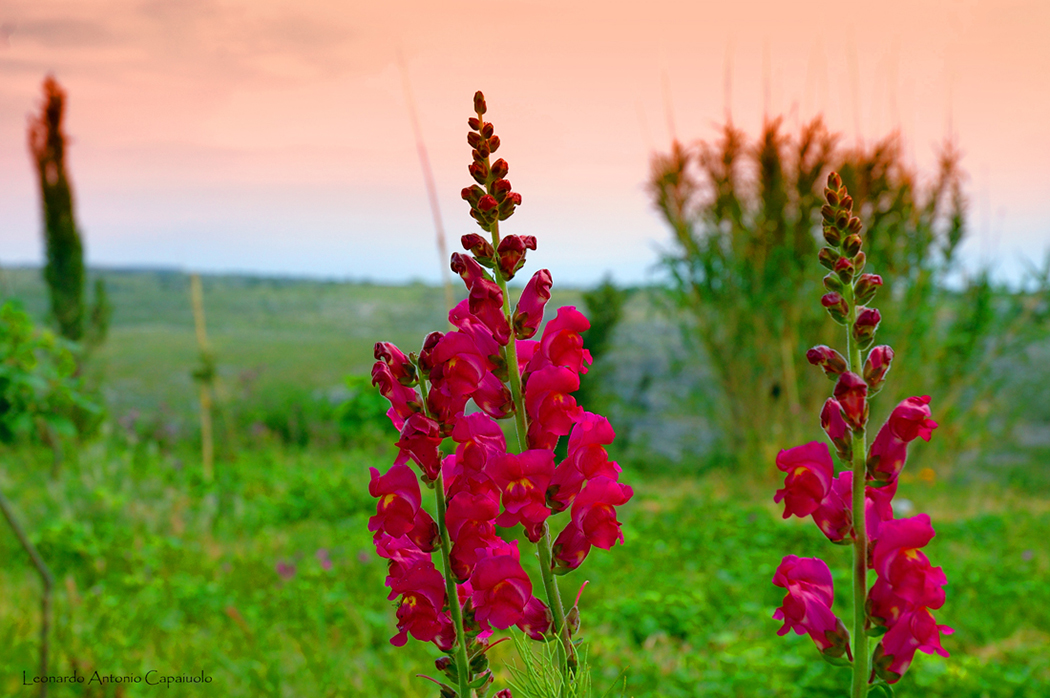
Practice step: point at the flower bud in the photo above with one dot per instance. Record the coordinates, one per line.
(500, 169)
(834, 181)
(500, 189)
(828, 359)
(851, 245)
(425, 354)
(832, 196)
(479, 171)
(858, 262)
(844, 268)
(867, 285)
(481, 248)
(479, 103)
(864, 329)
(506, 209)
(876, 366)
(832, 235)
(529, 312)
(472, 194)
(512, 253)
(493, 144)
(846, 203)
(482, 150)
(842, 221)
(851, 393)
(828, 256)
(487, 203)
(828, 212)
(400, 367)
(474, 123)
(443, 663)
(487, 130)
(833, 283)
(855, 225)
(473, 139)
(838, 431)
(503, 693)
(836, 305)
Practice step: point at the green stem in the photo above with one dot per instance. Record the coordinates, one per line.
(462, 662)
(860, 541)
(543, 546)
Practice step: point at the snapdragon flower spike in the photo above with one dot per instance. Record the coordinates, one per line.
(876, 367)
(909, 420)
(851, 393)
(832, 362)
(528, 314)
(809, 471)
(807, 605)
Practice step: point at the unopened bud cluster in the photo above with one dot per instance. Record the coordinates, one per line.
(491, 199)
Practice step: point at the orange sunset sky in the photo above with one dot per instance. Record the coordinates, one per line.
(274, 137)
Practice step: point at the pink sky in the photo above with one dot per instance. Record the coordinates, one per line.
(274, 137)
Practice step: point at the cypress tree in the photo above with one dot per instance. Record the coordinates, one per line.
(64, 271)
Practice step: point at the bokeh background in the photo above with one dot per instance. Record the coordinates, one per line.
(270, 148)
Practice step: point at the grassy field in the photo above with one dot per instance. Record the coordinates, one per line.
(158, 570)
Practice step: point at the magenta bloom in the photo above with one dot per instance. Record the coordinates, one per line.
(851, 393)
(529, 312)
(809, 470)
(594, 514)
(420, 439)
(399, 500)
(915, 630)
(807, 605)
(562, 344)
(493, 397)
(461, 318)
(479, 438)
(536, 622)
(470, 524)
(501, 589)
(400, 367)
(586, 459)
(834, 516)
(402, 554)
(889, 451)
(523, 480)
(898, 560)
(404, 401)
(833, 424)
(550, 406)
(420, 614)
(570, 549)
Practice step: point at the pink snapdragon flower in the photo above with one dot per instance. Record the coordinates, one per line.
(420, 439)
(536, 621)
(889, 451)
(399, 500)
(809, 470)
(570, 549)
(898, 561)
(550, 405)
(915, 630)
(404, 401)
(807, 605)
(420, 613)
(523, 480)
(585, 460)
(528, 314)
(501, 589)
(594, 511)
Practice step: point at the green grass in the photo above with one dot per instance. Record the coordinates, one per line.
(158, 571)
